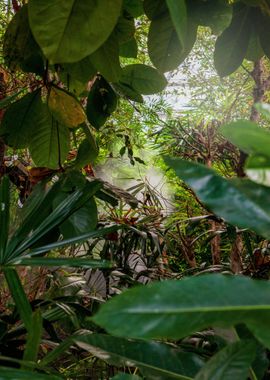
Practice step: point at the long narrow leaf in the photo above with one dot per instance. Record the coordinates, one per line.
(72, 203)
(4, 216)
(62, 262)
(16, 374)
(19, 297)
(33, 338)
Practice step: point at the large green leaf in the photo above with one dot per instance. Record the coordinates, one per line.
(4, 215)
(19, 120)
(6, 101)
(49, 145)
(33, 338)
(76, 75)
(155, 359)
(164, 47)
(144, 79)
(248, 136)
(71, 30)
(232, 362)
(106, 59)
(172, 309)
(87, 153)
(19, 374)
(128, 92)
(232, 45)
(240, 202)
(101, 102)
(20, 49)
(65, 108)
(155, 8)
(125, 28)
(129, 49)
(134, 7)
(178, 13)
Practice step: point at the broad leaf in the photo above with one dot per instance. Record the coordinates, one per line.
(178, 13)
(171, 309)
(134, 7)
(232, 362)
(49, 145)
(65, 107)
(70, 31)
(155, 359)
(128, 92)
(231, 47)
(144, 79)
(155, 8)
(125, 29)
(240, 202)
(106, 59)
(5, 102)
(19, 119)
(101, 102)
(20, 49)
(129, 49)
(77, 75)
(87, 153)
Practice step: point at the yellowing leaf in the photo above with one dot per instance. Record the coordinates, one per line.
(65, 108)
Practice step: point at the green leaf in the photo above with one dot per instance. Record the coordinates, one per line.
(106, 59)
(172, 310)
(4, 215)
(49, 145)
(87, 153)
(5, 102)
(65, 107)
(155, 8)
(125, 29)
(264, 30)
(248, 137)
(19, 48)
(19, 297)
(144, 79)
(232, 362)
(178, 13)
(70, 31)
(19, 119)
(152, 358)
(61, 262)
(128, 92)
(76, 75)
(75, 240)
(216, 14)
(134, 7)
(129, 49)
(240, 202)
(231, 47)
(19, 374)
(164, 47)
(33, 338)
(101, 102)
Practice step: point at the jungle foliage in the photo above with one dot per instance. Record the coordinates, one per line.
(68, 69)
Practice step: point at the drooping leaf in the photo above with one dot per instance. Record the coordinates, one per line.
(231, 47)
(133, 7)
(129, 49)
(216, 14)
(155, 8)
(87, 153)
(76, 75)
(106, 59)
(232, 362)
(19, 119)
(178, 13)
(128, 92)
(171, 309)
(65, 107)
(20, 49)
(70, 31)
(144, 79)
(101, 102)
(49, 145)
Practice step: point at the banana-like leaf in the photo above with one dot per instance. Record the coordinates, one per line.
(172, 309)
